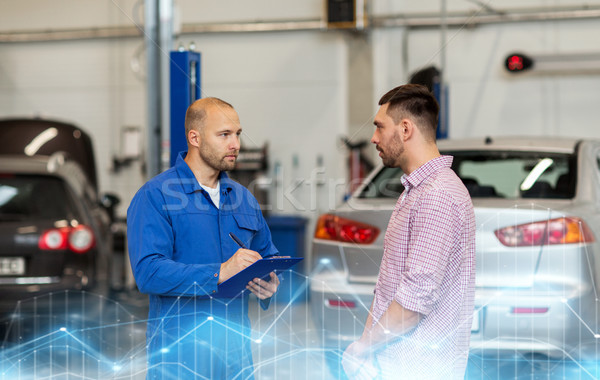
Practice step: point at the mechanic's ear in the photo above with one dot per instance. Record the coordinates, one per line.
(194, 138)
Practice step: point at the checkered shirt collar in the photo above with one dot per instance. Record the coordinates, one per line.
(424, 171)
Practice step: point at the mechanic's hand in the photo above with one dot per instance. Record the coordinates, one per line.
(241, 259)
(264, 289)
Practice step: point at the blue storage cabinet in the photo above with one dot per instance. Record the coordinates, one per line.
(288, 233)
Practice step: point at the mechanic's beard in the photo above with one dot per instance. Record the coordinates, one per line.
(214, 161)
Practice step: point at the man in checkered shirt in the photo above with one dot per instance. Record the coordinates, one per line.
(419, 324)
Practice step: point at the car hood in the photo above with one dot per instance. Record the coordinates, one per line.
(31, 137)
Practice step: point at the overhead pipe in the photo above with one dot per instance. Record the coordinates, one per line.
(134, 31)
(455, 20)
(70, 34)
(268, 26)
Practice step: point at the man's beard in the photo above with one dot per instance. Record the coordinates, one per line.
(213, 160)
(393, 151)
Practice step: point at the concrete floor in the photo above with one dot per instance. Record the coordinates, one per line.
(91, 336)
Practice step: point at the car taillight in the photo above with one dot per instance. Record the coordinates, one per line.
(81, 239)
(331, 227)
(341, 303)
(529, 310)
(567, 230)
(78, 239)
(53, 239)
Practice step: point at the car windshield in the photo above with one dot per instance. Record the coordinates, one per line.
(34, 197)
(503, 174)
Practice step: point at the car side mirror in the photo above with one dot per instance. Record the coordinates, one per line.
(109, 201)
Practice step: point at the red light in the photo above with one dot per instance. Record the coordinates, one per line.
(351, 232)
(54, 239)
(78, 239)
(529, 310)
(81, 239)
(341, 303)
(567, 230)
(515, 62)
(331, 227)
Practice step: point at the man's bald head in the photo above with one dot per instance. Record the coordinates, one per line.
(196, 113)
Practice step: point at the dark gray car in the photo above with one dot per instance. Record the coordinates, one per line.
(54, 233)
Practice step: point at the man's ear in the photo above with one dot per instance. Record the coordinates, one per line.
(407, 129)
(194, 138)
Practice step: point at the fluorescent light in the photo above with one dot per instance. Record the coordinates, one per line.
(535, 173)
(39, 140)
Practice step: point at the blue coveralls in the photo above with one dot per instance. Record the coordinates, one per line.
(177, 241)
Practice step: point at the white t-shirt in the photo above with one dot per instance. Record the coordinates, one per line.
(215, 194)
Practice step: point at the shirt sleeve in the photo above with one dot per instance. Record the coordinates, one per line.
(434, 235)
(150, 242)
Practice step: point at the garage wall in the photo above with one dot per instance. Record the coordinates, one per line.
(290, 91)
(483, 98)
(289, 88)
(88, 83)
(222, 11)
(300, 91)
(26, 15)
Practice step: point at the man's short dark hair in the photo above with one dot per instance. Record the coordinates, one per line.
(196, 113)
(415, 101)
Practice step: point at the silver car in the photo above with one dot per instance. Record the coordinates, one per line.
(537, 204)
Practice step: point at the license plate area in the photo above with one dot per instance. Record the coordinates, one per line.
(12, 266)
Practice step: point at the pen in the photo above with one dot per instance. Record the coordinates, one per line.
(237, 241)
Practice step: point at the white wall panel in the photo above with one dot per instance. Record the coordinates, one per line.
(211, 11)
(88, 83)
(290, 91)
(486, 100)
(23, 15)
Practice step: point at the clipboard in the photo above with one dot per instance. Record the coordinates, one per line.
(236, 285)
